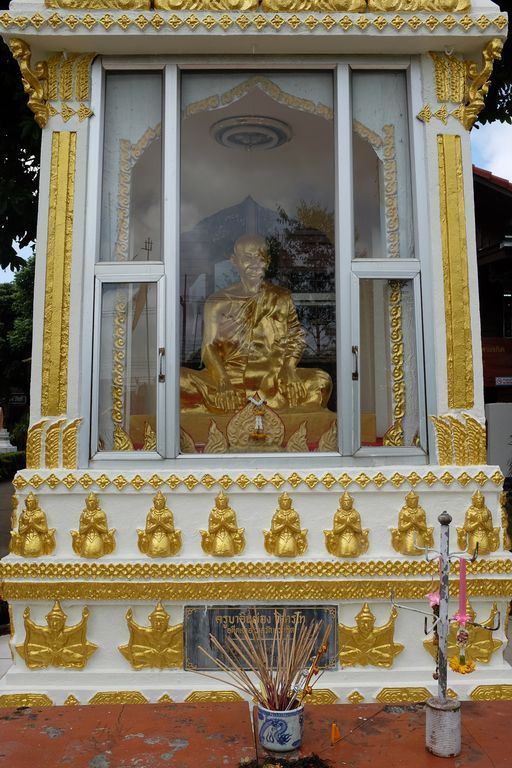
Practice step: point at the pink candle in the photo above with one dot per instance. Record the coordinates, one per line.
(462, 587)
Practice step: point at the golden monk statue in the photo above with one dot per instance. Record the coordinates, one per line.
(412, 533)
(56, 645)
(480, 645)
(223, 538)
(252, 341)
(159, 538)
(478, 528)
(33, 537)
(365, 644)
(94, 538)
(347, 538)
(286, 538)
(158, 645)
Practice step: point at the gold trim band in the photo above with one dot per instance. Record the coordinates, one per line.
(54, 386)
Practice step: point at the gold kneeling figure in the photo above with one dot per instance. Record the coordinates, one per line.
(33, 537)
(286, 538)
(56, 645)
(158, 645)
(478, 528)
(347, 538)
(223, 538)
(365, 644)
(412, 534)
(94, 538)
(252, 341)
(159, 538)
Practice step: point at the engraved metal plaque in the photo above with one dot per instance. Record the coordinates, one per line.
(224, 621)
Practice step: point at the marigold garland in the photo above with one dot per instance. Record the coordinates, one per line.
(464, 667)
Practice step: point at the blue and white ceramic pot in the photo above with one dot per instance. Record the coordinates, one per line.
(280, 731)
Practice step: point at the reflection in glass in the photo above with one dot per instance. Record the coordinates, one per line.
(257, 262)
(132, 168)
(388, 364)
(128, 364)
(381, 166)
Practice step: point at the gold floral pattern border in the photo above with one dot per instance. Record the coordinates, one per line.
(327, 480)
(241, 569)
(243, 22)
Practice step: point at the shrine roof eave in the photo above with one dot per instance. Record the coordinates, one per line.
(143, 32)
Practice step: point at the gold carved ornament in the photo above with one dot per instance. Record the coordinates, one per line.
(478, 528)
(118, 697)
(69, 85)
(34, 444)
(70, 444)
(403, 695)
(94, 538)
(480, 645)
(223, 538)
(34, 80)
(507, 543)
(15, 700)
(114, 5)
(155, 646)
(286, 538)
(159, 538)
(347, 538)
(460, 442)
(367, 645)
(215, 697)
(52, 444)
(56, 645)
(412, 534)
(395, 435)
(33, 537)
(479, 82)
(495, 692)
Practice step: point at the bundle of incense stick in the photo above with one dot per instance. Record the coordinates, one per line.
(278, 665)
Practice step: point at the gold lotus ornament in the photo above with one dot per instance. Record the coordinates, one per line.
(286, 538)
(347, 538)
(159, 538)
(478, 528)
(157, 645)
(33, 537)
(367, 645)
(94, 538)
(223, 538)
(412, 534)
(56, 645)
(480, 645)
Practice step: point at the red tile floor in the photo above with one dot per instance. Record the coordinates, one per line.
(220, 735)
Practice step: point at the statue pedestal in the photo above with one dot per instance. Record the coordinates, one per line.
(5, 443)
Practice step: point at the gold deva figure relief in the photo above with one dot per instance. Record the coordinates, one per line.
(347, 538)
(412, 534)
(33, 537)
(159, 538)
(480, 645)
(158, 645)
(286, 538)
(367, 645)
(507, 543)
(478, 528)
(94, 538)
(223, 538)
(56, 645)
(252, 342)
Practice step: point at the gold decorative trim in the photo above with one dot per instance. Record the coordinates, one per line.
(460, 442)
(215, 697)
(450, 73)
(118, 697)
(25, 700)
(71, 701)
(403, 695)
(459, 348)
(69, 81)
(355, 697)
(328, 481)
(395, 434)
(241, 570)
(249, 23)
(51, 444)
(391, 193)
(34, 444)
(94, 5)
(491, 693)
(54, 385)
(278, 591)
(322, 696)
(479, 82)
(35, 80)
(70, 444)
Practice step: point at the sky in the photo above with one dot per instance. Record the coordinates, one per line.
(491, 146)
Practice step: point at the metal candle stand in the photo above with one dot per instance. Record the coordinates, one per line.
(443, 723)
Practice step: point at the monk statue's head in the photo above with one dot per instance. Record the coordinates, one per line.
(251, 259)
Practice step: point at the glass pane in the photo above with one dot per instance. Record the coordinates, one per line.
(132, 168)
(388, 364)
(257, 263)
(128, 367)
(381, 166)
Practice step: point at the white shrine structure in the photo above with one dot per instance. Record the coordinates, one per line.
(251, 385)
